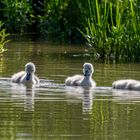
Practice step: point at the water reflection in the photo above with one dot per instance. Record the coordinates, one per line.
(65, 112)
(81, 94)
(29, 100)
(126, 96)
(53, 111)
(21, 93)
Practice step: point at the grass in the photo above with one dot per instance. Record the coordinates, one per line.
(3, 38)
(112, 29)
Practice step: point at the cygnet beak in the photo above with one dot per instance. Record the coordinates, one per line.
(28, 76)
(86, 73)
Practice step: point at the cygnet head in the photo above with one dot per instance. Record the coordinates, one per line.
(88, 69)
(30, 69)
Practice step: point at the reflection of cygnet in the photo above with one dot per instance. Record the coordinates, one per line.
(126, 84)
(82, 95)
(87, 100)
(126, 96)
(80, 80)
(29, 100)
(26, 77)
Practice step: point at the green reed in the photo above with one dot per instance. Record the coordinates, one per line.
(3, 38)
(113, 29)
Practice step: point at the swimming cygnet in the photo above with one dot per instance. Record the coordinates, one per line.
(129, 84)
(26, 77)
(82, 80)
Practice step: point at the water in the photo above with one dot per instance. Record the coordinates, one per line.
(53, 111)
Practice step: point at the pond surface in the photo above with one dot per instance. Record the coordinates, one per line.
(53, 111)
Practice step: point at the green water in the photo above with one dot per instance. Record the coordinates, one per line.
(53, 111)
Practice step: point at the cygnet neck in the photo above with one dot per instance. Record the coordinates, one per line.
(87, 76)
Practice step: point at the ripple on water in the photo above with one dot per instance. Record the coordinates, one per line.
(54, 110)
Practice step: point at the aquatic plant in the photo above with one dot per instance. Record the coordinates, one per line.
(112, 29)
(3, 38)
